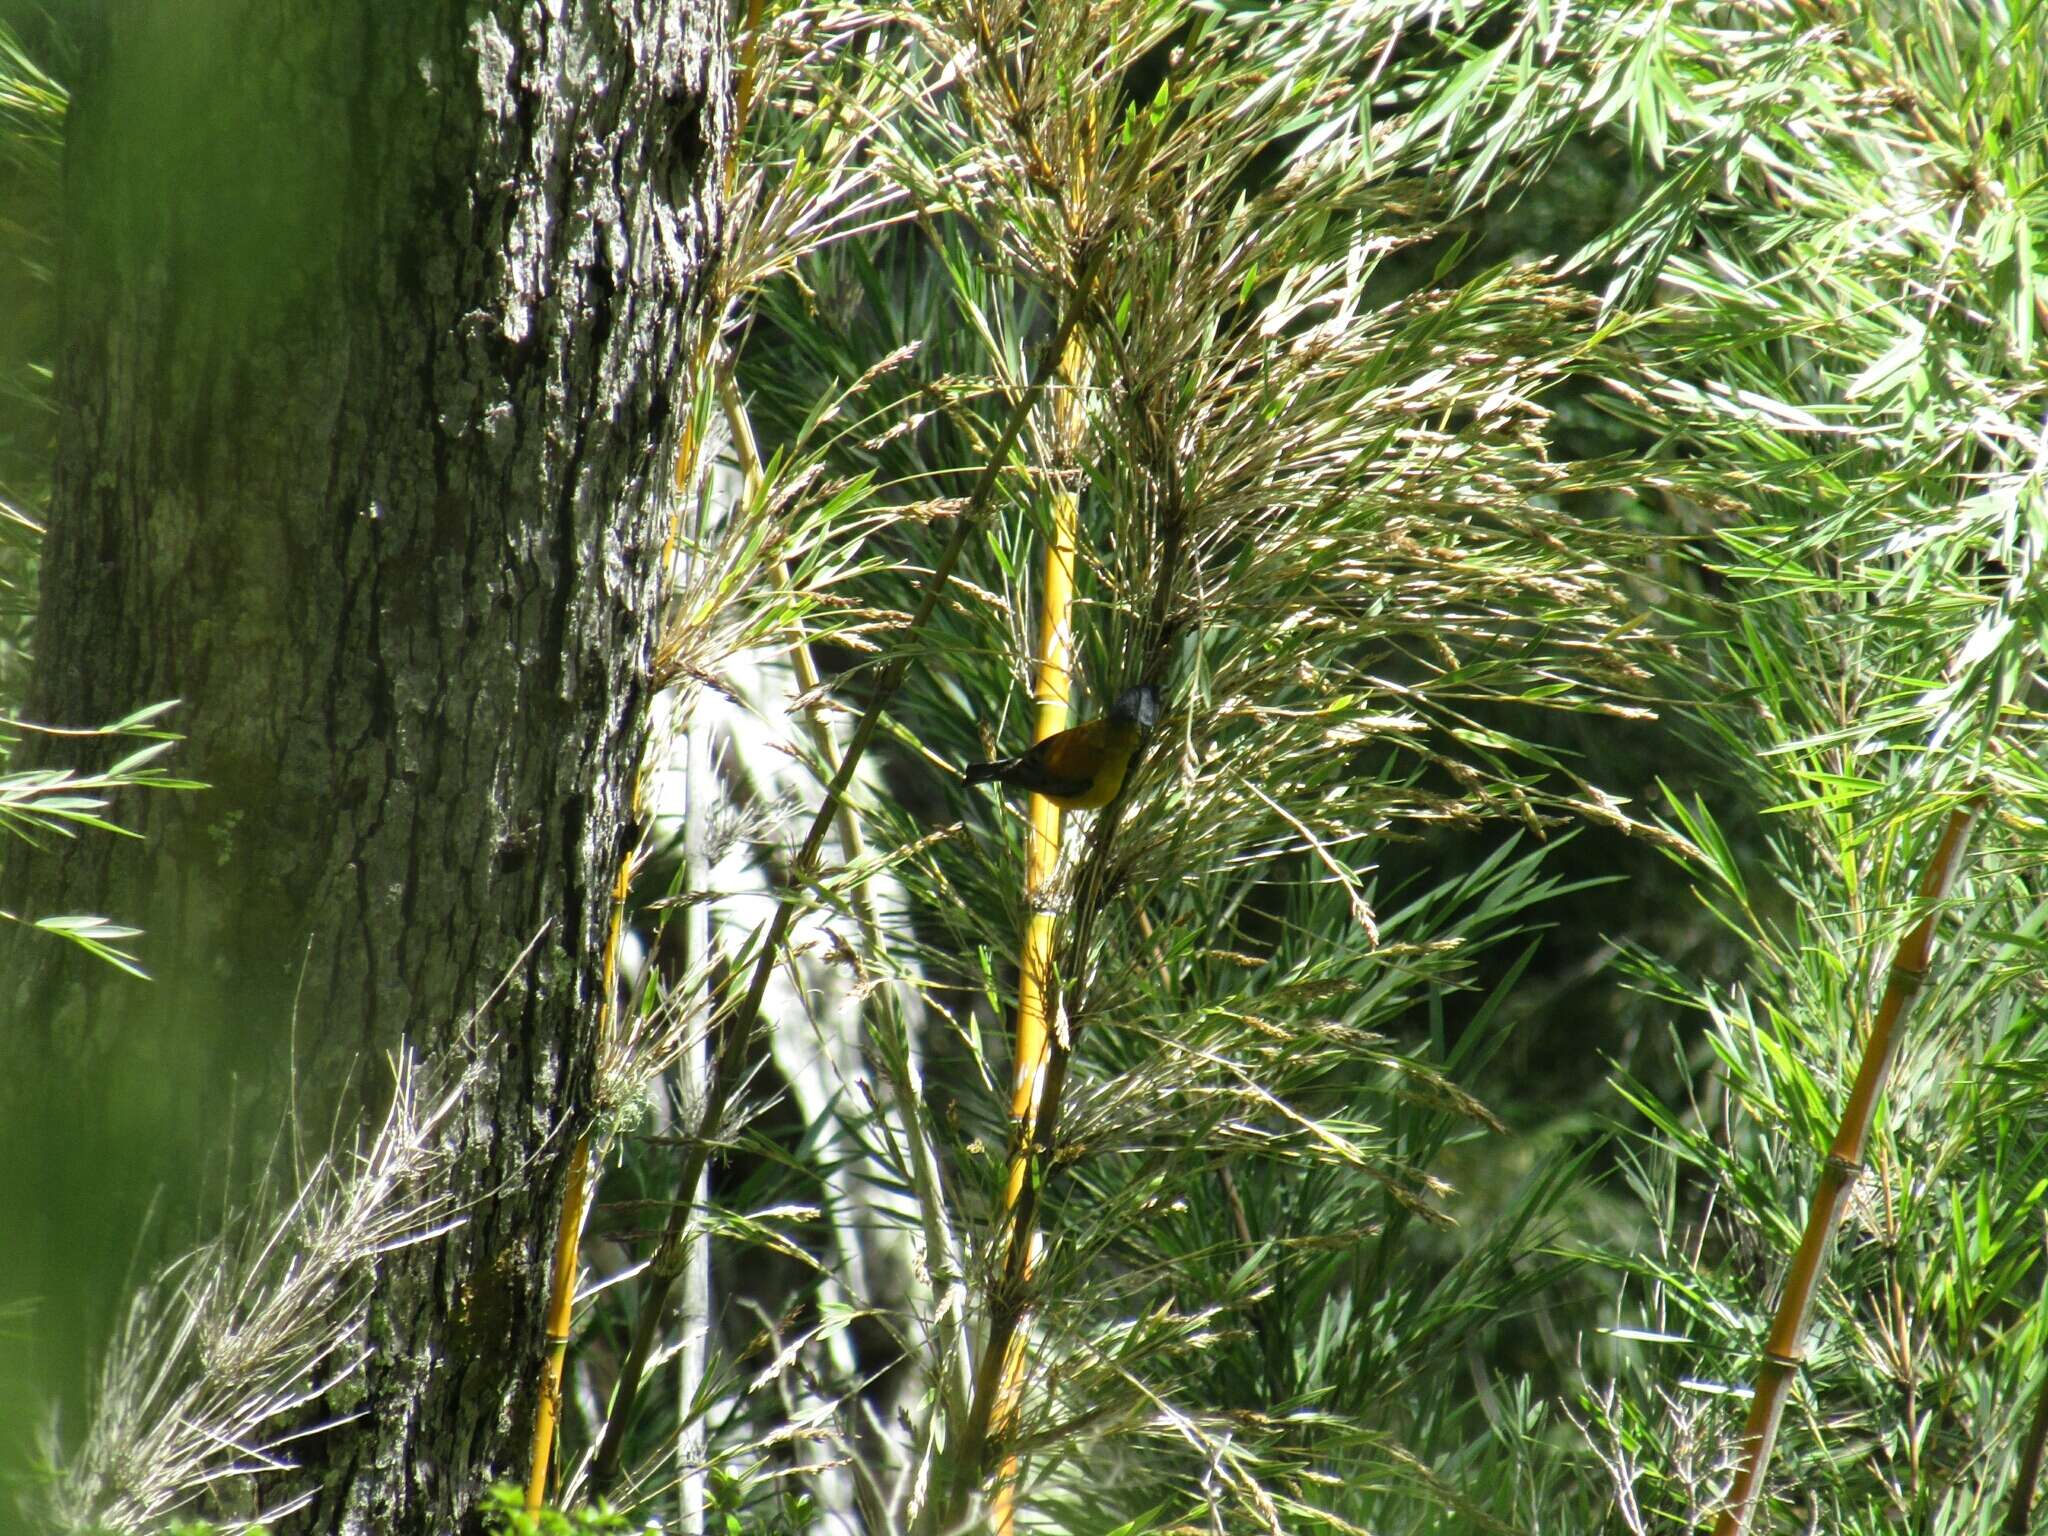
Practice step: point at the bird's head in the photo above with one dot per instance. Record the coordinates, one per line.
(1137, 706)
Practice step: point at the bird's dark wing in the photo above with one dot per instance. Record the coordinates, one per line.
(1030, 770)
(981, 773)
(1048, 769)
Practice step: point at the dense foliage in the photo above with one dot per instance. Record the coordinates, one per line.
(1578, 478)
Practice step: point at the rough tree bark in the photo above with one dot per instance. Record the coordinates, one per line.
(373, 331)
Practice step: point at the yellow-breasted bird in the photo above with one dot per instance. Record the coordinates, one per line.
(1081, 769)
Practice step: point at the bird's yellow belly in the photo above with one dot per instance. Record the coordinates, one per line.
(1108, 780)
(1110, 749)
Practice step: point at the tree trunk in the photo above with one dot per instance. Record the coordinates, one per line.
(374, 326)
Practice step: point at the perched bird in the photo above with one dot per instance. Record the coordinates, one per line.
(1081, 769)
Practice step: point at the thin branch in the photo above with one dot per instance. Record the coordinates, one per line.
(1784, 1349)
(894, 1055)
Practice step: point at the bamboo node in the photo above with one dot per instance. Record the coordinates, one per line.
(1783, 1360)
(1847, 1169)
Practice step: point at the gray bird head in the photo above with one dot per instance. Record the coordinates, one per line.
(1137, 706)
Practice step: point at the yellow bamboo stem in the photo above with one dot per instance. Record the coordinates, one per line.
(1034, 1035)
(1783, 1349)
(1034, 1043)
(569, 1230)
(561, 1301)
